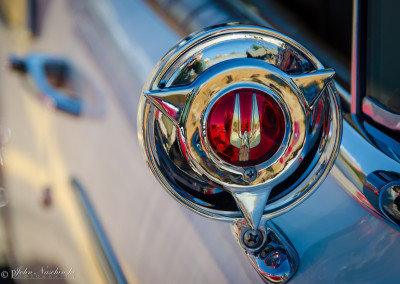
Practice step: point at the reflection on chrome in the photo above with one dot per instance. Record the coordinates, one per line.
(245, 141)
(275, 259)
(208, 68)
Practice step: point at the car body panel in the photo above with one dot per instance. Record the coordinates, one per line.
(154, 239)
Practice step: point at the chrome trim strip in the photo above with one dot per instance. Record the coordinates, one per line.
(107, 258)
(355, 61)
(380, 114)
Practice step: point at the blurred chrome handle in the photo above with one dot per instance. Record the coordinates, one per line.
(50, 76)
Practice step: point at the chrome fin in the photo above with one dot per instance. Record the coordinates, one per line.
(170, 101)
(313, 84)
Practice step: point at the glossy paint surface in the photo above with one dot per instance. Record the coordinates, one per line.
(338, 241)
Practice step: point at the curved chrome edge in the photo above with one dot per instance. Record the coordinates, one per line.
(275, 259)
(201, 36)
(328, 159)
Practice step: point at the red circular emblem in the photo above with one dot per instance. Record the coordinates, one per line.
(245, 127)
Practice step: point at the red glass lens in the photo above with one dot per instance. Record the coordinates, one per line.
(272, 126)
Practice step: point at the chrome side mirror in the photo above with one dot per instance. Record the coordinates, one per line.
(240, 123)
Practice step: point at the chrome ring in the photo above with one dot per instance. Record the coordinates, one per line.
(160, 132)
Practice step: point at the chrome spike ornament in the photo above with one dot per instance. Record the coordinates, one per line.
(170, 101)
(252, 205)
(313, 84)
(239, 135)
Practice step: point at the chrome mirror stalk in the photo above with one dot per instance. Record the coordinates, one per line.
(271, 255)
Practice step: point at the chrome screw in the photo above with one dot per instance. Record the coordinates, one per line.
(252, 238)
(250, 174)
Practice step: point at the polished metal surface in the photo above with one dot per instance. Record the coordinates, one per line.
(194, 75)
(380, 114)
(245, 141)
(252, 238)
(271, 255)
